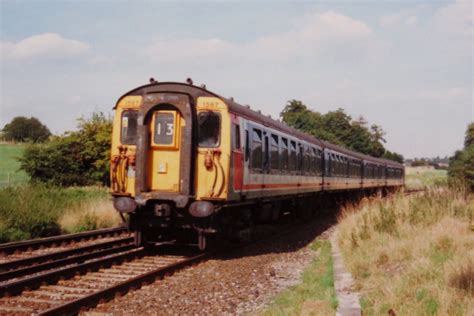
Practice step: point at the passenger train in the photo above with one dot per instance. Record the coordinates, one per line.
(188, 162)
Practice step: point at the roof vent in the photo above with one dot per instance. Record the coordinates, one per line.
(203, 86)
(189, 81)
(153, 81)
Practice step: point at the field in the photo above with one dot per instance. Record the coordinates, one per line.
(9, 165)
(414, 254)
(419, 178)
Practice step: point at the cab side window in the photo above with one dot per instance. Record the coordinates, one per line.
(128, 131)
(209, 124)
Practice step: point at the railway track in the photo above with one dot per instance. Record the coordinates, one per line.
(83, 284)
(14, 247)
(78, 286)
(21, 267)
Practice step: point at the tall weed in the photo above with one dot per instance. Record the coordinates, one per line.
(32, 211)
(412, 254)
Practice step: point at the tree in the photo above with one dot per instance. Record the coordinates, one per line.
(75, 158)
(393, 156)
(469, 139)
(338, 128)
(22, 129)
(419, 162)
(461, 165)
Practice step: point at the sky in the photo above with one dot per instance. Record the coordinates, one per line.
(404, 65)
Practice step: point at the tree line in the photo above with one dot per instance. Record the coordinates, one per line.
(339, 128)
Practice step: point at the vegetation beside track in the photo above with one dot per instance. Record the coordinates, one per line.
(10, 173)
(314, 292)
(418, 178)
(412, 254)
(35, 210)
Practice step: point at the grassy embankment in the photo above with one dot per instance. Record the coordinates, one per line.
(315, 294)
(31, 211)
(412, 254)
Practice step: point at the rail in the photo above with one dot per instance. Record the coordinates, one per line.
(12, 247)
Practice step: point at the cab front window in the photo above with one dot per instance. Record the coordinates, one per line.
(164, 128)
(128, 135)
(209, 129)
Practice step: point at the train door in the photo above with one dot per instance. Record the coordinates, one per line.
(164, 150)
(237, 157)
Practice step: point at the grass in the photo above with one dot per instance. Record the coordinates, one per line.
(315, 294)
(412, 254)
(417, 178)
(9, 165)
(32, 211)
(89, 215)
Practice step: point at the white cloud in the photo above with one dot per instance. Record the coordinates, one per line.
(164, 50)
(389, 20)
(332, 26)
(411, 20)
(456, 18)
(393, 20)
(444, 94)
(49, 45)
(315, 32)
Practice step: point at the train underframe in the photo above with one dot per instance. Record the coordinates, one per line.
(161, 221)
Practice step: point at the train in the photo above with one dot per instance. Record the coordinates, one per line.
(189, 163)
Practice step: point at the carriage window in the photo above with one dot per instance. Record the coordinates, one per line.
(307, 160)
(164, 128)
(313, 163)
(319, 161)
(284, 154)
(274, 161)
(128, 133)
(257, 149)
(293, 157)
(266, 157)
(209, 129)
(301, 157)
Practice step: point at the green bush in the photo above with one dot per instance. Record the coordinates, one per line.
(76, 158)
